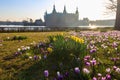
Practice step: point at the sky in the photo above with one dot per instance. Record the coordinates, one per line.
(18, 10)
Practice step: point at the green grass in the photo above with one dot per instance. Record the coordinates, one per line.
(10, 65)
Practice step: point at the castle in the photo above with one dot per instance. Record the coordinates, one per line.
(56, 19)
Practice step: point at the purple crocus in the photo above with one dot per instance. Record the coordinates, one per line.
(93, 50)
(66, 74)
(87, 57)
(114, 67)
(60, 77)
(16, 53)
(46, 73)
(99, 74)
(114, 44)
(113, 59)
(103, 78)
(58, 73)
(87, 63)
(85, 60)
(93, 62)
(117, 70)
(77, 70)
(94, 78)
(108, 76)
(35, 57)
(45, 56)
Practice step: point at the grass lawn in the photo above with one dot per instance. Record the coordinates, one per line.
(10, 65)
(84, 55)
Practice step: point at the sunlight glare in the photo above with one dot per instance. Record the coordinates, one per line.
(93, 27)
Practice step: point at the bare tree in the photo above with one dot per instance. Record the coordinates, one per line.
(117, 21)
(114, 6)
(111, 6)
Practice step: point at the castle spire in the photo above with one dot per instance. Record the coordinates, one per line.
(77, 11)
(54, 10)
(46, 12)
(64, 11)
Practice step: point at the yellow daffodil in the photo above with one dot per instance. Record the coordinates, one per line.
(76, 39)
(62, 34)
(50, 50)
(54, 39)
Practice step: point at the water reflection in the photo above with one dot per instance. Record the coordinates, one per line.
(90, 26)
(18, 26)
(42, 28)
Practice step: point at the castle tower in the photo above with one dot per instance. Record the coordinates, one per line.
(64, 11)
(54, 10)
(45, 15)
(77, 11)
(46, 12)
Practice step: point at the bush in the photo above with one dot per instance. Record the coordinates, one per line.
(19, 38)
(16, 38)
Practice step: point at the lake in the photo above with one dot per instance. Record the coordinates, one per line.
(41, 28)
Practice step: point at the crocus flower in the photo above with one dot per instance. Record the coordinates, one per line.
(99, 74)
(87, 57)
(35, 57)
(77, 70)
(16, 53)
(30, 57)
(85, 70)
(93, 62)
(108, 70)
(87, 63)
(60, 77)
(103, 78)
(93, 50)
(108, 77)
(94, 78)
(113, 59)
(45, 56)
(46, 73)
(85, 60)
(114, 44)
(58, 73)
(66, 74)
(114, 67)
(117, 70)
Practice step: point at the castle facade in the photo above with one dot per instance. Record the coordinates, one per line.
(64, 19)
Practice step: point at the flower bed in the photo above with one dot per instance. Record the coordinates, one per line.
(79, 56)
